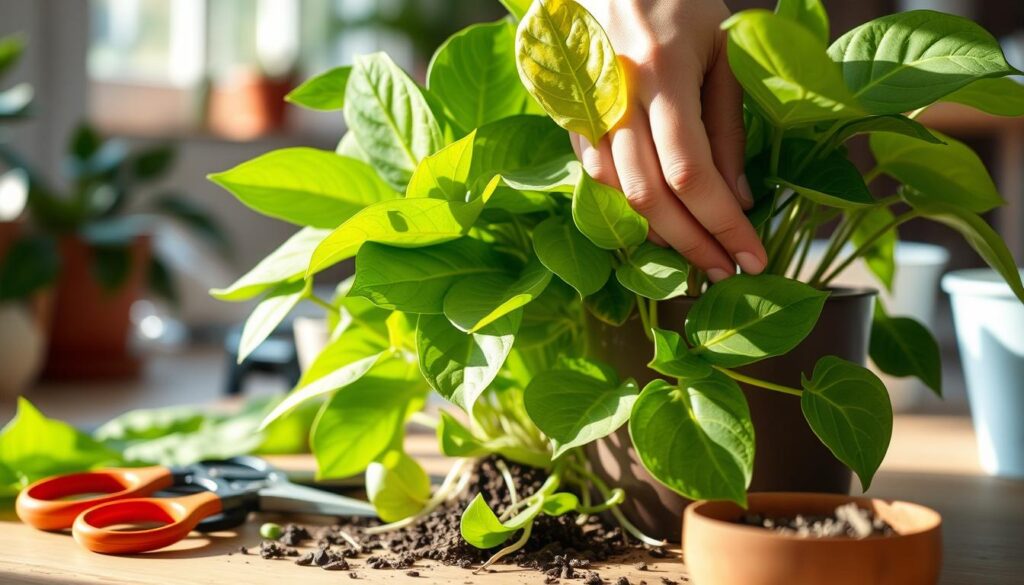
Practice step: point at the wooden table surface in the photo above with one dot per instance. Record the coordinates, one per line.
(932, 461)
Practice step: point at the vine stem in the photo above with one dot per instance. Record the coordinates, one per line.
(628, 526)
(513, 496)
(508, 549)
(864, 247)
(645, 317)
(326, 305)
(759, 383)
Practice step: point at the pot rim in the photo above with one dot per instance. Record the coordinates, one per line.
(698, 511)
(849, 292)
(977, 282)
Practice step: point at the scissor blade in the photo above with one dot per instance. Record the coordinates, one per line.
(297, 499)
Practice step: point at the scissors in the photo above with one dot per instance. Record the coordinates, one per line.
(218, 494)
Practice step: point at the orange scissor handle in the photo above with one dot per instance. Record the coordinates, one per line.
(177, 516)
(45, 504)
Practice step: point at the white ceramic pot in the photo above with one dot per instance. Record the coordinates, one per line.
(989, 322)
(915, 288)
(22, 349)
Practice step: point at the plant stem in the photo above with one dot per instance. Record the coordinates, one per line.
(759, 383)
(872, 175)
(421, 418)
(602, 487)
(866, 245)
(508, 549)
(326, 305)
(645, 318)
(506, 475)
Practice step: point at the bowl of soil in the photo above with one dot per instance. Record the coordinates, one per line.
(812, 538)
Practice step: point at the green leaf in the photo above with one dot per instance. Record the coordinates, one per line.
(985, 240)
(268, 315)
(833, 181)
(416, 280)
(363, 419)
(901, 62)
(654, 272)
(809, 13)
(526, 149)
(574, 407)
(460, 366)
(747, 318)
(444, 174)
(288, 262)
(349, 147)
(517, 8)
(194, 217)
(673, 358)
(111, 266)
(481, 528)
(950, 173)
(345, 359)
(33, 447)
(560, 503)
(558, 175)
(613, 304)
(305, 186)
(894, 123)
(455, 440)
(785, 70)
(473, 74)
(570, 255)
(390, 118)
(152, 163)
(880, 256)
(12, 46)
(30, 264)
(477, 301)
(849, 410)
(407, 223)
(567, 63)
(1002, 96)
(696, 438)
(900, 346)
(397, 486)
(603, 215)
(325, 92)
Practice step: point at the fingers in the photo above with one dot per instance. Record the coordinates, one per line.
(722, 100)
(640, 177)
(684, 154)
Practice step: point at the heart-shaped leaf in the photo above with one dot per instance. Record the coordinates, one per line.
(569, 254)
(951, 173)
(475, 302)
(673, 358)
(613, 304)
(654, 272)
(832, 181)
(904, 61)
(747, 318)
(396, 486)
(849, 410)
(575, 406)
(697, 438)
(900, 346)
(325, 92)
(602, 214)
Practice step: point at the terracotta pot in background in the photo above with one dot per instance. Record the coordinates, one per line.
(248, 105)
(788, 456)
(719, 551)
(91, 326)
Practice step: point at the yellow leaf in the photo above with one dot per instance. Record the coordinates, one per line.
(567, 63)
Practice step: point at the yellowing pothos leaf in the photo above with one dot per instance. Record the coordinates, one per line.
(567, 63)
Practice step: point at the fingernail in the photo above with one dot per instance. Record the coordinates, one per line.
(746, 195)
(749, 263)
(717, 274)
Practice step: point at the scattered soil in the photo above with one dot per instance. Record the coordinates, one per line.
(558, 547)
(848, 521)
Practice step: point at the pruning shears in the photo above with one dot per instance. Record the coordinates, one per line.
(217, 495)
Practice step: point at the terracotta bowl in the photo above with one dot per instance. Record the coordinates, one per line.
(718, 551)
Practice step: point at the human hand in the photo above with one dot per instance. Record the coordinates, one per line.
(677, 154)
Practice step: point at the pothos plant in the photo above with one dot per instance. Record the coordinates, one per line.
(479, 245)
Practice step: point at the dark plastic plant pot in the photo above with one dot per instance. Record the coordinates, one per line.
(788, 457)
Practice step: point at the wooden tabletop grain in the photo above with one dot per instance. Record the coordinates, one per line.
(932, 461)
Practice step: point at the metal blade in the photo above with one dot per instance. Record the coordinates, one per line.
(297, 499)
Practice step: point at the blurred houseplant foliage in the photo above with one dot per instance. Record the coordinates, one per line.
(91, 241)
(479, 245)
